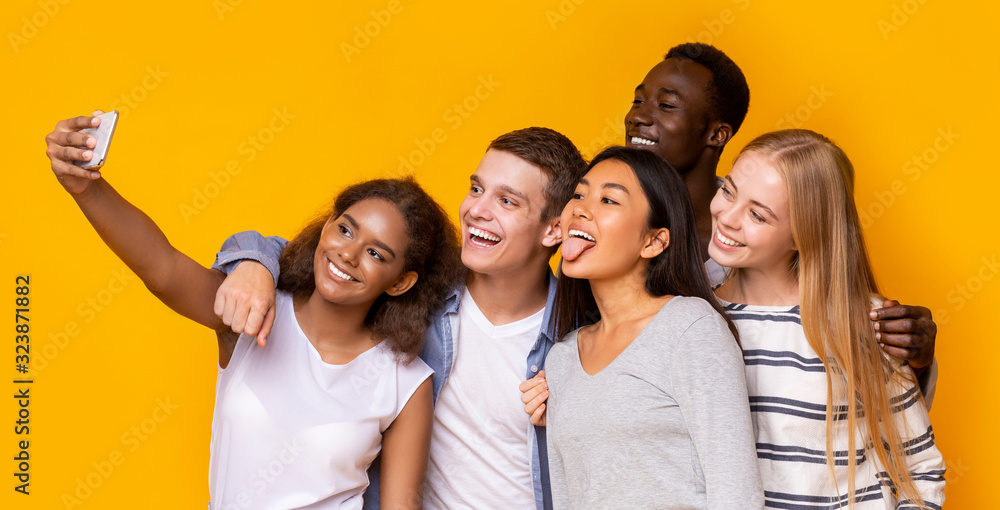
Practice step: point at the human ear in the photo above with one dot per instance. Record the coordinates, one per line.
(553, 233)
(657, 241)
(403, 284)
(721, 133)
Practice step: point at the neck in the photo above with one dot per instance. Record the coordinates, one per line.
(334, 328)
(509, 297)
(776, 287)
(702, 185)
(624, 301)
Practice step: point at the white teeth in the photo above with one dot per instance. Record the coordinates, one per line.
(582, 234)
(342, 274)
(726, 240)
(642, 141)
(483, 234)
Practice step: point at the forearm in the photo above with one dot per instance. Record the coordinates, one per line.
(250, 245)
(130, 234)
(174, 278)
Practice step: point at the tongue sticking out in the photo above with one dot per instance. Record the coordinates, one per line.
(574, 246)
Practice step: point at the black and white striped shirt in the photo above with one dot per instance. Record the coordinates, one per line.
(787, 385)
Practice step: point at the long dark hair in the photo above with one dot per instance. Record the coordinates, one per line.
(678, 270)
(432, 253)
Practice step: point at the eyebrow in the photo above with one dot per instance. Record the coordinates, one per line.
(503, 187)
(754, 202)
(607, 185)
(663, 90)
(376, 242)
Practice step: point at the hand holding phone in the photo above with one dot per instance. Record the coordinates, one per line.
(103, 134)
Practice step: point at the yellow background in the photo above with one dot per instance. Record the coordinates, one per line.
(883, 78)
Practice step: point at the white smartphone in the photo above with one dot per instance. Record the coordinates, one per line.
(103, 133)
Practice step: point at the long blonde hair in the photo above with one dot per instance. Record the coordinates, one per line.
(836, 285)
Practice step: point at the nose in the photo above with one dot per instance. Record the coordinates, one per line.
(638, 115)
(480, 208)
(349, 253)
(580, 210)
(729, 216)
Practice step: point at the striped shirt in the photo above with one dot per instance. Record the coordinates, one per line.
(787, 385)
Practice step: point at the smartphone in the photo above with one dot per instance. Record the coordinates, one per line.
(103, 134)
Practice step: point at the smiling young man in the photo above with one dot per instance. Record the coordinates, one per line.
(492, 333)
(687, 108)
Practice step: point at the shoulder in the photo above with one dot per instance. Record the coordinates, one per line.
(693, 325)
(682, 311)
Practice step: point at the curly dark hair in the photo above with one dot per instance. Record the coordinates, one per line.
(555, 154)
(729, 95)
(677, 270)
(432, 253)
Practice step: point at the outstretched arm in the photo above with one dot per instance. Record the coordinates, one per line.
(173, 277)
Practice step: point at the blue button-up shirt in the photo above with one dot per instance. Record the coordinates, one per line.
(438, 351)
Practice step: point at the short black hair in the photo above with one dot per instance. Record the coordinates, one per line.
(729, 96)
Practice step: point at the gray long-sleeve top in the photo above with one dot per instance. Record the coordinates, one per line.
(665, 425)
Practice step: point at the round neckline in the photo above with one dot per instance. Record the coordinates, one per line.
(314, 352)
(763, 308)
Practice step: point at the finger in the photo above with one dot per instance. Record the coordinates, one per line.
(537, 401)
(70, 154)
(265, 327)
(70, 138)
(910, 326)
(538, 417)
(240, 316)
(899, 352)
(899, 340)
(255, 317)
(220, 302)
(533, 391)
(530, 383)
(229, 310)
(900, 312)
(78, 123)
(65, 169)
(97, 112)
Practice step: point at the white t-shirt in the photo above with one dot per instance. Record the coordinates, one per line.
(292, 431)
(481, 441)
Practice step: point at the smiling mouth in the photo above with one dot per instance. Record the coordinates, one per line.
(582, 235)
(727, 241)
(483, 238)
(638, 140)
(338, 272)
